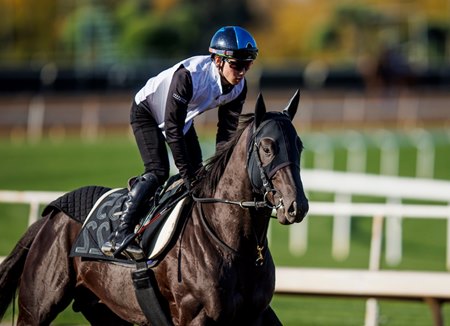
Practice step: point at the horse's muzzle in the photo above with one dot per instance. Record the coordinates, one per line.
(293, 213)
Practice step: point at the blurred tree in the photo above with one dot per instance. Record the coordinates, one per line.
(28, 30)
(88, 36)
(437, 35)
(174, 29)
(335, 31)
(215, 14)
(149, 29)
(352, 30)
(101, 31)
(144, 32)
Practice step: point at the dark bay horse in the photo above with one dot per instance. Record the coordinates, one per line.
(219, 270)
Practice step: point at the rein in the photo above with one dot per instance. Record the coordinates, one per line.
(243, 204)
(268, 189)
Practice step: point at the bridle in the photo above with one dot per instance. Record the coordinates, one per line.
(266, 188)
(262, 185)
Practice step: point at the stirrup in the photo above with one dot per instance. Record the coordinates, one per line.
(108, 248)
(134, 252)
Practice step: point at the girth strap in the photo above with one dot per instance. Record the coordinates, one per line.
(148, 295)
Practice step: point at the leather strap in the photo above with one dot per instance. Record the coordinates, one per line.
(148, 295)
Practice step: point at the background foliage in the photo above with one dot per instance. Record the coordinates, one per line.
(100, 32)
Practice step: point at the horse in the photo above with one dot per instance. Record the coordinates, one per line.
(218, 271)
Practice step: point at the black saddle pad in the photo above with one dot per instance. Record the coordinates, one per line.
(78, 203)
(104, 217)
(98, 225)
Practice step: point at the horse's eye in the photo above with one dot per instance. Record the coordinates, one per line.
(268, 150)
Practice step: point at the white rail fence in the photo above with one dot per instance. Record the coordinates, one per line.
(431, 287)
(357, 144)
(393, 189)
(344, 185)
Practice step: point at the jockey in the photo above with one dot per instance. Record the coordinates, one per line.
(163, 111)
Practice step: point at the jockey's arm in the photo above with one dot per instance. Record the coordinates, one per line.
(180, 93)
(228, 117)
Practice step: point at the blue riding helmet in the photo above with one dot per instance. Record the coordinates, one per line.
(234, 42)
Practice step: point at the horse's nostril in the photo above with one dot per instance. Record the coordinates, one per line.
(292, 211)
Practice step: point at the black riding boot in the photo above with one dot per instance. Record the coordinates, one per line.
(143, 188)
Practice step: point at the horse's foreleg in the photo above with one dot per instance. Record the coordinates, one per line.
(94, 311)
(48, 283)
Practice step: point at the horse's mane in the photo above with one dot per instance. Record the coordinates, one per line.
(209, 175)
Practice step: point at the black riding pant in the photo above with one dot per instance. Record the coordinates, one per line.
(152, 144)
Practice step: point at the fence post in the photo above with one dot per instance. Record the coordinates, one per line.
(389, 164)
(448, 240)
(425, 153)
(341, 230)
(372, 309)
(356, 152)
(389, 153)
(36, 112)
(356, 162)
(394, 236)
(323, 152)
(90, 119)
(34, 212)
(298, 238)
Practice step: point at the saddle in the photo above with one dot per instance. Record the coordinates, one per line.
(158, 224)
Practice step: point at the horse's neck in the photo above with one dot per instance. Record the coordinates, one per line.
(235, 183)
(231, 222)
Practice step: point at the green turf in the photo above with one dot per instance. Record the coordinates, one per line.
(63, 166)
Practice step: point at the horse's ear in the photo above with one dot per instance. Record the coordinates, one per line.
(260, 110)
(291, 109)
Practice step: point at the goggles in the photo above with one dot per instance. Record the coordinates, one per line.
(239, 65)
